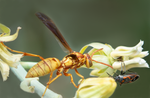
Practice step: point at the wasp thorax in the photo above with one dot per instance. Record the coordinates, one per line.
(73, 60)
(70, 61)
(88, 61)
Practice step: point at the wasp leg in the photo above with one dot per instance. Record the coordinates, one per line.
(76, 71)
(50, 81)
(51, 76)
(68, 74)
(24, 53)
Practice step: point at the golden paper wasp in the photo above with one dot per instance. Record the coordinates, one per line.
(73, 60)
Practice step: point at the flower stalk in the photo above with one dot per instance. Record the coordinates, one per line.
(32, 86)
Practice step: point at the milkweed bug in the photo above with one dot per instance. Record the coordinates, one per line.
(124, 77)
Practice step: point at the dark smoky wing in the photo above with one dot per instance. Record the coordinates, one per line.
(50, 24)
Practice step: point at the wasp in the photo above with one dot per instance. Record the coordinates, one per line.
(124, 77)
(73, 60)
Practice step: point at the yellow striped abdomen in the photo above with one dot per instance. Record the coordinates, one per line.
(43, 67)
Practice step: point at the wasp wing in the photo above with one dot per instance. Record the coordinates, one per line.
(50, 24)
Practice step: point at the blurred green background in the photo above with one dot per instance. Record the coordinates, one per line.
(81, 22)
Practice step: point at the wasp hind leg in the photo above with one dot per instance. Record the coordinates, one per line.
(50, 81)
(24, 53)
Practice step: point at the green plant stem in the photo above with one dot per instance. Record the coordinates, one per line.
(20, 72)
(27, 65)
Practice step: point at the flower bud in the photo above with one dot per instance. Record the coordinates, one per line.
(96, 88)
(25, 85)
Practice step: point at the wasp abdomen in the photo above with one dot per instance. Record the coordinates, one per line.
(43, 67)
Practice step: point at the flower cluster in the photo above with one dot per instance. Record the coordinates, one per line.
(7, 58)
(132, 56)
(104, 85)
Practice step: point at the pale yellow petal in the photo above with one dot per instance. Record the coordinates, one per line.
(132, 63)
(9, 58)
(25, 85)
(4, 68)
(10, 37)
(4, 30)
(96, 88)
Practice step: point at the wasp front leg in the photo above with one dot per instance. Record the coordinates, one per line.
(76, 71)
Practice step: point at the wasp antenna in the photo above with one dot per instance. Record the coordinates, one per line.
(98, 61)
(96, 51)
(102, 63)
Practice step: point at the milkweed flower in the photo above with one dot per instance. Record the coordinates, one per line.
(101, 56)
(7, 58)
(96, 88)
(103, 86)
(131, 56)
(5, 34)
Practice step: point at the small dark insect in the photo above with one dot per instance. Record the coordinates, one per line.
(124, 77)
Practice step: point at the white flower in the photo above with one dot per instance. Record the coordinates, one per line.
(6, 58)
(4, 68)
(96, 88)
(101, 56)
(26, 85)
(5, 36)
(131, 56)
